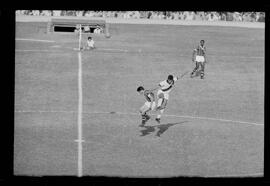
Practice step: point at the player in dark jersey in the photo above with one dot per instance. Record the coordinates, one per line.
(199, 58)
(150, 103)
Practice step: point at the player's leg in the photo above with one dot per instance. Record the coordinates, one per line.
(195, 69)
(202, 69)
(202, 64)
(143, 110)
(161, 109)
(160, 96)
(162, 105)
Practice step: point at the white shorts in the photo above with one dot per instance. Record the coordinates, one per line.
(166, 94)
(200, 59)
(149, 106)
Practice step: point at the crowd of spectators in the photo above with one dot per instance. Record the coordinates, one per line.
(169, 15)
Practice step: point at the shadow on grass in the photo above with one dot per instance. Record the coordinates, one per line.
(161, 128)
(197, 73)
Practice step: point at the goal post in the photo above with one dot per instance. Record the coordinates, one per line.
(80, 26)
(80, 36)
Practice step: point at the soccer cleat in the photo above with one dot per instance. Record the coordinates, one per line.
(143, 123)
(147, 118)
(158, 120)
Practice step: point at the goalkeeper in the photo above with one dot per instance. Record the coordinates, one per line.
(90, 44)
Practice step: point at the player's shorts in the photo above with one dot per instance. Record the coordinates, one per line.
(148, 106)
(166, 94)
(200, 59)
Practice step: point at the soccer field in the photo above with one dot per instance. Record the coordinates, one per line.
(211, 128)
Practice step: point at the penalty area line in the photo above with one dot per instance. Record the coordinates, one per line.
(37, 40)
(137, 114)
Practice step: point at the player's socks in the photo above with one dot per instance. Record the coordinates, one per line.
(192, 73)
(147, 117)
(202, 75)
(143, 119)
(159, 115)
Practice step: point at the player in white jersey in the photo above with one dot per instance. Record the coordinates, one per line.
(163, 94)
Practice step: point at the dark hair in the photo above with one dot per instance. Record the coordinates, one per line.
(170, 77)
(140, 88)
(89, 37)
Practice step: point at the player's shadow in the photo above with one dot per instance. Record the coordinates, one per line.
(197, 73)
(161, 128)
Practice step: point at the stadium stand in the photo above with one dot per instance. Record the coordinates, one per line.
(169, 15)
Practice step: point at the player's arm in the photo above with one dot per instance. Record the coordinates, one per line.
(204, 55)
(151, 94)
(153, 98)
(194, 54)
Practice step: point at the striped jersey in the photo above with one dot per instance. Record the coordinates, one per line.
(166, 86)
(149, 96)
(200, 50)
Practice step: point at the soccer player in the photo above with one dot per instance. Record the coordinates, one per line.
(150, 103)
(199, 57)
(90, 44)
(163, 94)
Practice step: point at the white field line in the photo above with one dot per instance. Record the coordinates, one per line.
(37, 40)
(101, 49)
(137, 114)
(33, 50)
(113, 49)
(79, 140)
(139, 51)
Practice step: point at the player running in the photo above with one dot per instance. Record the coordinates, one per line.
(163, 94)
(199, 58)
(150, 103)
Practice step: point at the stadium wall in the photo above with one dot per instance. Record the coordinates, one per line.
(25, 18)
